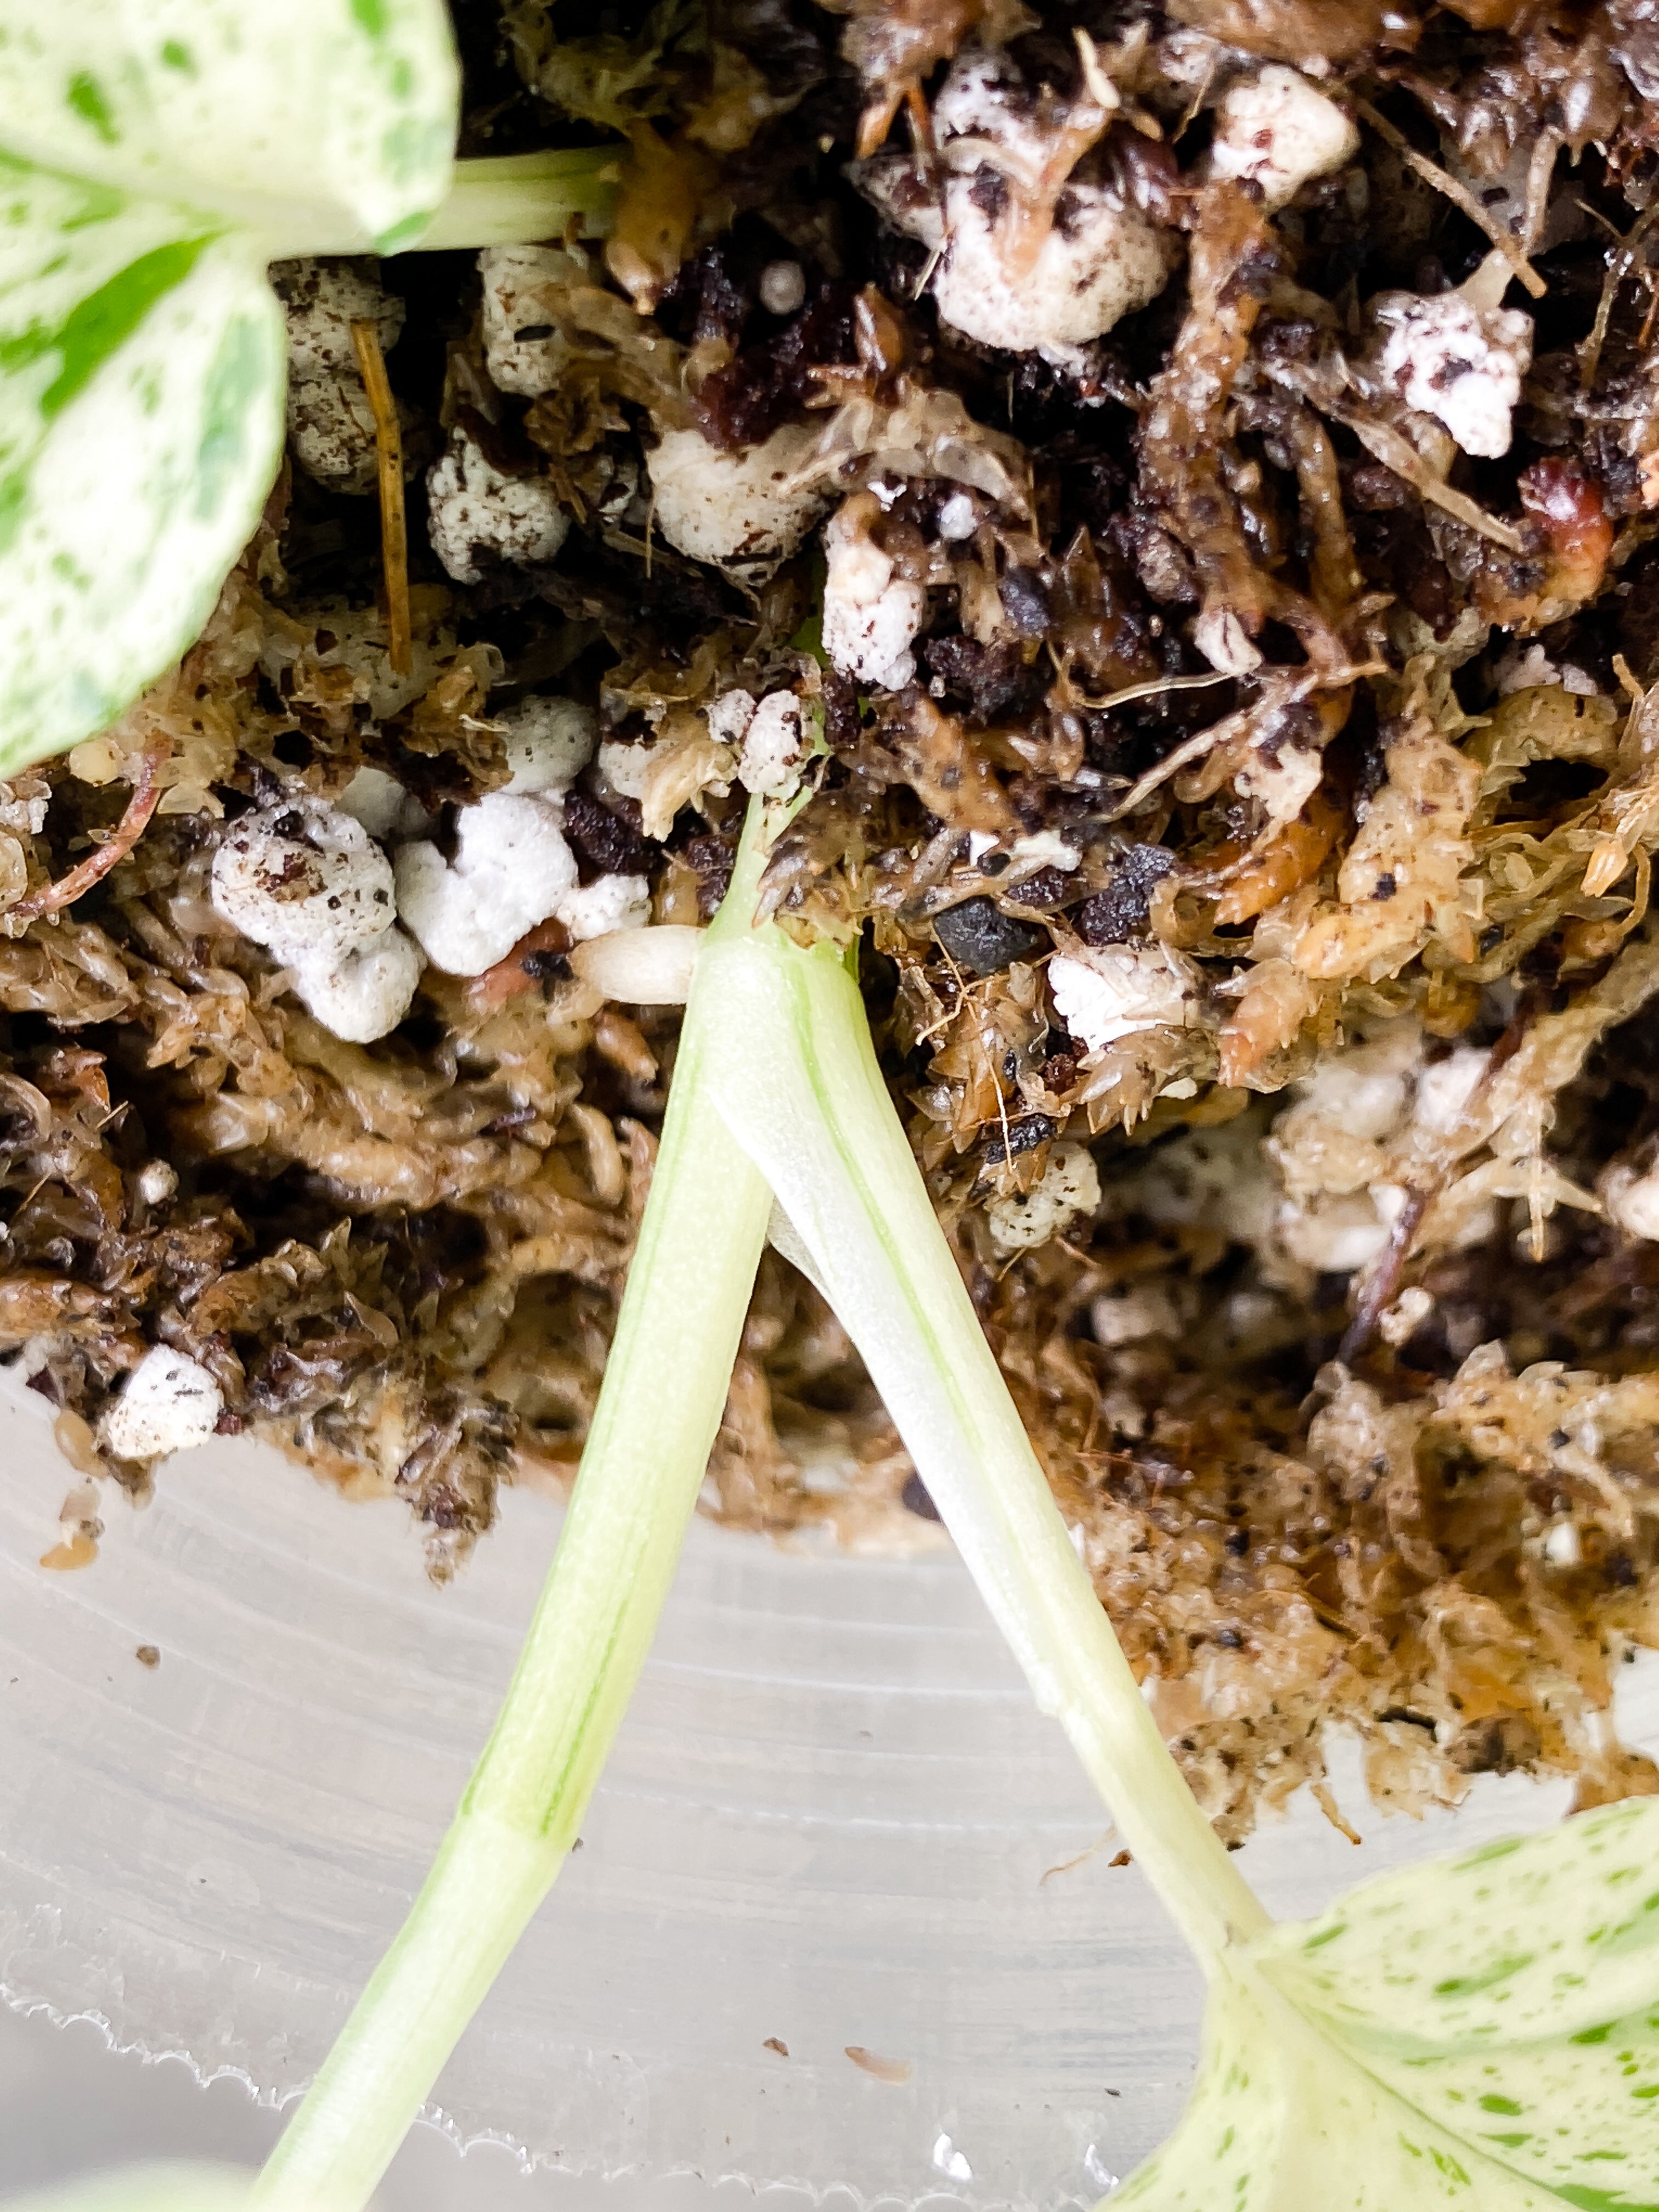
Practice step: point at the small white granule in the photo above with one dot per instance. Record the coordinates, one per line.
(1276, 131)
(607, 904)
(321, 299)
(1364, 1102)
(1343, 1233)
(474, 509)
(524, 349)
(168, 1404)
(383, 806)
(1282, 780)
(330, 431)
(730, 716)
(1032, 855)
(157, 1181)
(1561, 1546)
(330, 424)
(1632, 1201)
(1130, 1313)
(1069, 1185)
(305, 880)
(512, 868)
(773, 748)
(959, 518)
(1101, 262)
(1104, 991)
(747, 507)
(1525, 668)
(1104, 264)
(1529, 668)
(25, 802)
(627, 767)
(677, 769)
(1462, 364)
(367, 994)
(985, 97)
(1445, 1087)
(1363, 1091)
(783, 288)
(871, 618)
(1398, 1323)
(548, 744)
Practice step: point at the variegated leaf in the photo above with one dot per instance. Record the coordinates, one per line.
(1283, 2119)
(1482, 2032)
(142, 369)
(326, 125)
(1512, 1994)
(154, 154)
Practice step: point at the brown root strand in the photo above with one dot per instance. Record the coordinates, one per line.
(53, 898)
(389, 469)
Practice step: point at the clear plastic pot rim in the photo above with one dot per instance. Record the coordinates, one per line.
(842, 1917)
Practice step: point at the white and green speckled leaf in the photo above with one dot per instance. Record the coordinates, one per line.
(1283, 2119)
(326, 124)
(1482, 2032)
(1546, 1934)
(1575, 2113)
(142, 361)
(1512, 1994)
(155, 156)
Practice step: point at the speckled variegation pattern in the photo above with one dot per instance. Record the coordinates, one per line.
(153, 159)
(305, 118)
(1479, 2033)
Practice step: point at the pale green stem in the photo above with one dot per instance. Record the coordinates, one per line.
(799, 1084)
(510, 199)
(777, 1083)
(516, 197)
(665, 1388)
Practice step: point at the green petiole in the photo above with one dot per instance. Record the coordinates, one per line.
(775, 1089)
(665, 1388)
(1335, 2074)
(504, 199)
(514, 196)
(799, 1085)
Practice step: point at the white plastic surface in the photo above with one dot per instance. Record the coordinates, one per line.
(828, 1822)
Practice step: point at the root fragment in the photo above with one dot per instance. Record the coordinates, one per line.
(389, 464)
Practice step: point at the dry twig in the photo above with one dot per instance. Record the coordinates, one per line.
(389, 460)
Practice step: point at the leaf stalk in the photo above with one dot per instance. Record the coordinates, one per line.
(514, 197)
(677, 1337)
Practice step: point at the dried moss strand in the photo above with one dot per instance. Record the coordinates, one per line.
(1432, 174)
(1396, 451)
